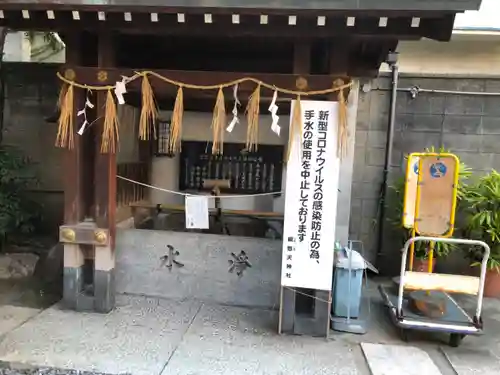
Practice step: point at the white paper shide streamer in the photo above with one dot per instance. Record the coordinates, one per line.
(235, 119)
(273, 108)
(83, 112)
(120, 89)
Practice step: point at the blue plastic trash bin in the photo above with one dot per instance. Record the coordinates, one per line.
(341, 297)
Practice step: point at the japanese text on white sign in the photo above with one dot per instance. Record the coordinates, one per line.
(197, 216)
(311, 199)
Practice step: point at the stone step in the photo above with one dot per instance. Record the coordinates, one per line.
(472, 362)
(398, 359)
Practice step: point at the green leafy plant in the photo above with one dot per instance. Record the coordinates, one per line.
(483, 206)
(395, 208)
(18, 213)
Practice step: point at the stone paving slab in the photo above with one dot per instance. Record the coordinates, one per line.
(397, 359)
(153, 337)
(20, 369)
(12, 317)
(472, 362)
(231, 340)
(138, 337)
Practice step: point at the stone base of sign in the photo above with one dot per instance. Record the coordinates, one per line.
(315, 323)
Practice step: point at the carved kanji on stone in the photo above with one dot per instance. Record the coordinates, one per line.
(239, 263)
(169, 260)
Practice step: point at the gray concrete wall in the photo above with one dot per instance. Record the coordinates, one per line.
(31, 93)
(467, 125)
(205, 273)
(430, 57)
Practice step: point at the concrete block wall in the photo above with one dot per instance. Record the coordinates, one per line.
(31, 92)
(468, 125)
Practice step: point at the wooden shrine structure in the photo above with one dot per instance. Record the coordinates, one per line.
(297, 45)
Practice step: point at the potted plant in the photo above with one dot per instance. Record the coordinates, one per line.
(421, 252)
(483, 206)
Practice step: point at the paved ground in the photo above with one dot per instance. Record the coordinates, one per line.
(165, 337)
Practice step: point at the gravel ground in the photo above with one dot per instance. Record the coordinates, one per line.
(11, 369)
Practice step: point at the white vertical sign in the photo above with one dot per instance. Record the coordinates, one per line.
(312, 179)
(197, 216)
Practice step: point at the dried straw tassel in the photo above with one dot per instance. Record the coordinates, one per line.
(149, 112)
(343, 128)
(218, 123)
(65, 132)
(176, 122)
(296, 127)
(110, 135)
(62, 95)
(252, 111)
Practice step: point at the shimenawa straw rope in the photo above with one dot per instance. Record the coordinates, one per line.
(149, 112)
(208, 87)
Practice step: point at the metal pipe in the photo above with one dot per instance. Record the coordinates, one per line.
(417, 90)
(388, 157)
(3, 37)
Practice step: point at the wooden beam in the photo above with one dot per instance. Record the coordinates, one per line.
(105, 193)
(277, 27)
(302, 57)
(332, 63)
(89, 76)
(177, 208)
(442, 282)
(198, 103)
(202, 7)
(202, 30)
(75, 197)
(290, 301)
(337, 57)
(442, 31)
(105, 163)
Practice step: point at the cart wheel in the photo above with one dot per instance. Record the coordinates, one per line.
(456, 340)
(404, 335)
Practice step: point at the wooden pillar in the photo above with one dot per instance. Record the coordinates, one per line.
(301, 65)
(337, 60)
(104, 194)
(302, 57)
(74, 202)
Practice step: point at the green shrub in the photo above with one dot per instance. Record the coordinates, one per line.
(18, 212)
(483, 207)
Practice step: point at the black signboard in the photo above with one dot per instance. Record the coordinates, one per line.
(249, 172)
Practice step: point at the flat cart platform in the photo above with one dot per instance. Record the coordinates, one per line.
(454, 321)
